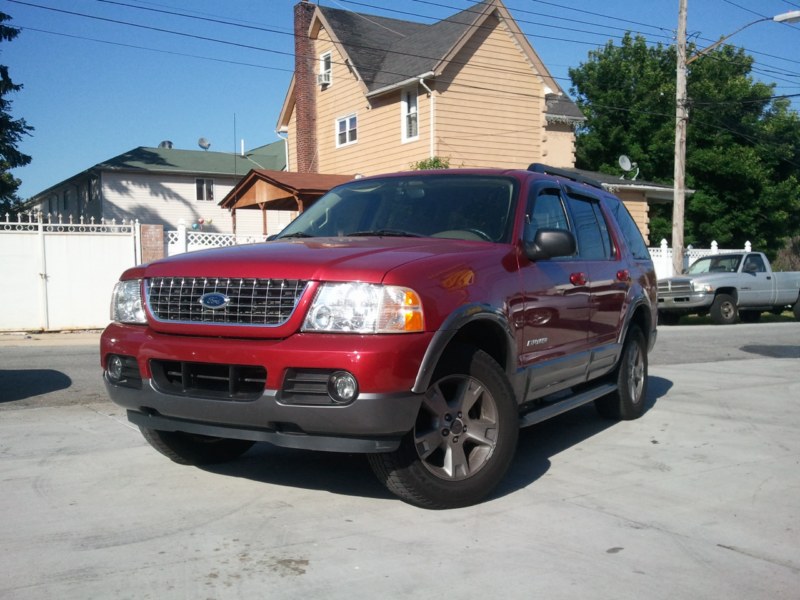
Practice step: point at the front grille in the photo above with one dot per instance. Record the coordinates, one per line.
(257, 302)
(674, 287)
(208, 380)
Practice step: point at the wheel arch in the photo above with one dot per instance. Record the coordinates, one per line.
(477, 325)
(730, 291)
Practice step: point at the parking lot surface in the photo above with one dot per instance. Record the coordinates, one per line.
(697, 499)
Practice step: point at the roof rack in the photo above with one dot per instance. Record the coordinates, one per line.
(555, 172)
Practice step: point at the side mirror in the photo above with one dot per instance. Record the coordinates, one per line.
(550, 243)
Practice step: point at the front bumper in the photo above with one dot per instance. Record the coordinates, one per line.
(384, 410)
(685, 302)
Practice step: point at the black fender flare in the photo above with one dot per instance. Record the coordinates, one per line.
(464, 315)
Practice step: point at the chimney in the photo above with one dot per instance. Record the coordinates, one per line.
(305, 89)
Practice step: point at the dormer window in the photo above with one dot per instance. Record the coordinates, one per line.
(409, 115)
(325, 70)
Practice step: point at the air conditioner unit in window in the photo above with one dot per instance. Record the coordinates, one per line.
(324, 78)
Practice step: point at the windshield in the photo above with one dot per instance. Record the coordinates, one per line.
(468, 207)
(723, 263)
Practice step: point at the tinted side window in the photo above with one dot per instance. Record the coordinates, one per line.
(545, 211)
(591, 231)
(630, 231)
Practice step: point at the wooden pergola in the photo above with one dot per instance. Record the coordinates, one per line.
(278, 190)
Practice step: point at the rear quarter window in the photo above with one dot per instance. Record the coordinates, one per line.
(628, 228)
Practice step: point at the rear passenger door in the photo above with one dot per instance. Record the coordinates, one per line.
(607, 279)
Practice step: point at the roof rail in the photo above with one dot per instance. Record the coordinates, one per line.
(540, 168)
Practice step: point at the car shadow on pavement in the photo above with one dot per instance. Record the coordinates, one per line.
(21, 384)
(334, 472)
(350, 475)
(541, 441)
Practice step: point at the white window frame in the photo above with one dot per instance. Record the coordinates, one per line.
(326, 66)
(406, 109)
(353, 117)
(208, 184)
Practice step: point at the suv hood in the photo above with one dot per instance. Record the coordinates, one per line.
(366, 259)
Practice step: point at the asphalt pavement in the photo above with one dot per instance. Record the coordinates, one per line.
(697, 499)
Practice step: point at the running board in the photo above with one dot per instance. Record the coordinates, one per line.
(556, 408)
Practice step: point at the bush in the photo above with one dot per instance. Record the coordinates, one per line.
(434, 162)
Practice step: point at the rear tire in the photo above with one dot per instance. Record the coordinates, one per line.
(724, 310)
(464, 438)
(796, 310)
(192, 449)
(631, 378)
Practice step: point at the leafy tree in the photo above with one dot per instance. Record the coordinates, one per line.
(11, 131)
(743, 146)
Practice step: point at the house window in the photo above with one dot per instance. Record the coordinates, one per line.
(346, 130)
(205, 189)
(409, 114)
(325, 69)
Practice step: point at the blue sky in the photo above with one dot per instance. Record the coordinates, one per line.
(105, 80)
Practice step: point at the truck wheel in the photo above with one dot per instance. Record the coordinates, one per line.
(192, 449)
(464, 438)
(750, 316)
(631, 378)
(667, 318)
(796, 310)
(723, 310)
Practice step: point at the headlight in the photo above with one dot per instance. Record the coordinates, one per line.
(126, 302)
(705, 288)
(365, 308)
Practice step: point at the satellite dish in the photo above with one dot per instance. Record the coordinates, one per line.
(165, 144)
(628, 166)
(204, 143)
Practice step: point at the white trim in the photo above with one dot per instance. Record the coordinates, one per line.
(413, 92)
(346, 120)
(399, 84)
(323, 71)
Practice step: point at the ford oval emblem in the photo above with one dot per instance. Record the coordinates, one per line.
(214, 300)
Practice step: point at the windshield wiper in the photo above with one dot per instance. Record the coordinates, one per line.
(296, 234)
(384, 233)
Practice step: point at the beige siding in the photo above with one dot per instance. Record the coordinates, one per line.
(379, 147)
(490, 109)
(637, 205)
(559, 145)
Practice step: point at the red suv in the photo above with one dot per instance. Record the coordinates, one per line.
(420, 318)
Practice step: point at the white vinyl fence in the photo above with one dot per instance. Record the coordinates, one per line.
(59, 276)
(187, 240)
(662, 256)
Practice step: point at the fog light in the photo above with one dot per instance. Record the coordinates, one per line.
(115, 368)
(342, 387)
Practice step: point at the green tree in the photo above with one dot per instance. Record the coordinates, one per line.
(743, 146)
(11, 132)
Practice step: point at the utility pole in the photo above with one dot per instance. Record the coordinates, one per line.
(681, 118)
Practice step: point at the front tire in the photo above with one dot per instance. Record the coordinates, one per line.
(464, 438)
(192, 449)
(724, 310)
(627, 402)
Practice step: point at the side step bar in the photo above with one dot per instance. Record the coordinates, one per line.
(549, 411)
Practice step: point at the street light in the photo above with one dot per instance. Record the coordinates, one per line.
(682, 116)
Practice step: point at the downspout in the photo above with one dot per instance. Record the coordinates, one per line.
(285, 147)
(433, 114)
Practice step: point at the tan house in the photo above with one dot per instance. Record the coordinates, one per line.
(372, 95)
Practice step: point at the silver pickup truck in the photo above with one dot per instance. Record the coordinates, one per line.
(727, 287)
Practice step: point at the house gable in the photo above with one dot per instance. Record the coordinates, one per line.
(465, 112)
